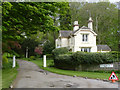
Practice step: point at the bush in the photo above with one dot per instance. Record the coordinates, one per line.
(116, 55)
(72, 61)
(49, 56)
(4, 60)
(5, 63)
(32, 57)
(64, 61)
(59, 51)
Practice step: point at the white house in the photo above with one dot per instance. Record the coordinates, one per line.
(79, 39)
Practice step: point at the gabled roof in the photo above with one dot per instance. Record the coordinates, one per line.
(103, 48)
(64, 33)
(84, 28)
(67, 33)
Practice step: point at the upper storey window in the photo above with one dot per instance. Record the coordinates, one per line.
(85, 37)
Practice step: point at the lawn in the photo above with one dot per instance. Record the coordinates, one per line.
(93, 75)
(8, 75)
(0, 79)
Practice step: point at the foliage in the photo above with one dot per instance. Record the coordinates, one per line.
(9, 46)
(4, 60)
(39, 50)
(11, 54)
(32, 57)
(72, 61)
(48, 46)
(65, 17)
(7, 64)
(30, 44)
(49, 56)
(59, 51)
(116, 55)
(28, 18)
(65, 61)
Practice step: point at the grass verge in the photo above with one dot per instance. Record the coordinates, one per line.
(92, 75)
(8, 75)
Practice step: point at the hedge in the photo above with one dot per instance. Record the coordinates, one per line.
(59, 51)
(74, 60)
(6, 64)
(49, 56)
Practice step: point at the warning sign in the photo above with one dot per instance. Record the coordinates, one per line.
(113, 76)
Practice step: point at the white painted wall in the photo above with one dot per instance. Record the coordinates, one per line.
(103, 51)
(90, 43)
(64, 42)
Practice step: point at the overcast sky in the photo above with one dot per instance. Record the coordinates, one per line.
(112, 1)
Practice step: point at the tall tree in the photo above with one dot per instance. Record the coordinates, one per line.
(28, 17)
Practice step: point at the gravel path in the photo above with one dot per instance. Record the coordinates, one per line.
(31, 76)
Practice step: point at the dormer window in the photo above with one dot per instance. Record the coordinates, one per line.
(85, 37)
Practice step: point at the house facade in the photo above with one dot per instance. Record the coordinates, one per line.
(79, 39)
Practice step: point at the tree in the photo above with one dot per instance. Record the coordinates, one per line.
(48, 46)
(31, 44)
(27, 17)
(39, 50)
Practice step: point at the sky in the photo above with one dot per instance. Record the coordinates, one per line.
(112, 1)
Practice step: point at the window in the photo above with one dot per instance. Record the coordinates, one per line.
(85, 37)
(86, 49)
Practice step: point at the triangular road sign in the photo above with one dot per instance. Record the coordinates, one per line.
(113, 76)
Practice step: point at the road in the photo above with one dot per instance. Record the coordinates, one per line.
(31, 76)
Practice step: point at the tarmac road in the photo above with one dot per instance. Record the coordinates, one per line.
(31, 76)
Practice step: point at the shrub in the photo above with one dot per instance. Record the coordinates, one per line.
(4, 60)
(49, 56)
(5, 63)
(116, 55)
(64, 61)
(92, 58)
(72, 61)
(32, 57)
(59, 51)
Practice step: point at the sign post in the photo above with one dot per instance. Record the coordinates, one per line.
(113, 77)
(44, 61)
(14, 63)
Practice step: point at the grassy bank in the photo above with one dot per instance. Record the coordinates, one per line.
(0, 79)
(49, 67)
(8, 74)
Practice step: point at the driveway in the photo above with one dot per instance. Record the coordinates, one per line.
(31, 76)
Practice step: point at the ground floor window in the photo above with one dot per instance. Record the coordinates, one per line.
(86, 49)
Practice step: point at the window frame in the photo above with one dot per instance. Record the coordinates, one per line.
(86, 49)
(85, 37)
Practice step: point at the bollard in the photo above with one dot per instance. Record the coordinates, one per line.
(14, 63)
(44, 61)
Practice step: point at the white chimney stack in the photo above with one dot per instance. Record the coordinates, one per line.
(76, 26)
(90, 23)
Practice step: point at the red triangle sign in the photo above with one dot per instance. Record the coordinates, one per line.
(113, 76)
